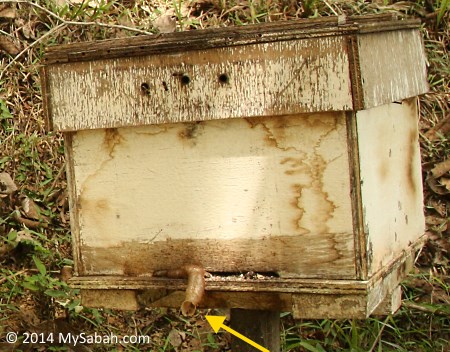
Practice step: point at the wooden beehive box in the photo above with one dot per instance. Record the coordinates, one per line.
(282, 158)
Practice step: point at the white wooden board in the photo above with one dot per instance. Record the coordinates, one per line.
(259, 80)
(262, 194)
(391, 180)
(393, 66)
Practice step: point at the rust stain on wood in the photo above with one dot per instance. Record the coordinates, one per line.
(191, 131)
(111, 140)
(413, 149)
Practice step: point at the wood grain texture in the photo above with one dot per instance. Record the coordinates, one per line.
(268, 79)
(221, 283)
(261, 194)
(391, 185)
(260, 326)
(119, 299)
(359, 235)
(391, 303)
(225, 37)
(227, 300)
(306, 298)
(393, 66)
(294, 67)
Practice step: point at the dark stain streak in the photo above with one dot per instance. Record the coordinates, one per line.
(411, 158)
(191, 131)
(111, 140)
(318, 171)
(306, 255)
(297, 189)
(295, 76)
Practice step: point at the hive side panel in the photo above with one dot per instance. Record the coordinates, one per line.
(391, 183)
(393, 66)
(261, 194)
(240, 81)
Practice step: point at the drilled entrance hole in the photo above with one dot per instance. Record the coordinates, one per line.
(223, 78)
(145, 88)
(185, 80)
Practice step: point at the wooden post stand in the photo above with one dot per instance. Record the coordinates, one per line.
(261, 326)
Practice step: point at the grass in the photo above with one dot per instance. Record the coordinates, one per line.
(32, 292)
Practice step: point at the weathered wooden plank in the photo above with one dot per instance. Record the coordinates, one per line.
(393, 66)
(401, 265)
(260, 326)
(220, 284)
(110, 299)
(391, 186)
(381, 287)
(263, 194)
(330, 306)
(359, 236)
(227, 300)
(220, 37)
(391, 303)
(306, 298)
(268, 79)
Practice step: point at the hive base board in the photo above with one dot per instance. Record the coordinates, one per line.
(306, 298)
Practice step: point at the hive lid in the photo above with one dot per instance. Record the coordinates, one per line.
(224, 37)
(270, 69)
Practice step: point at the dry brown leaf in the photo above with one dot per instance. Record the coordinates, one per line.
(435, 186)
(8, 13)
(23, 236)
(8, 46)
(28, 31)
(438, 206)
(31, 224)
(165, 24)
(434, 220)
(445, 182)
(176, 337)
(31, 210)
(7, 185)
(442, 128)
(441, 169)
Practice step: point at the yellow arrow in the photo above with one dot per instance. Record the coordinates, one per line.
(216, 323)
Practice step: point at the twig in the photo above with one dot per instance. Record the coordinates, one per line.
(77, 23)
(331, 8)
(37, 41)
(63, 24)
(377, 340)
(3, 279)
(101, 24)
(429, 310)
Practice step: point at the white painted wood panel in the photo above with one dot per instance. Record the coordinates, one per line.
(391, 180)
(393, 66)
(261, 80)
(267, 194)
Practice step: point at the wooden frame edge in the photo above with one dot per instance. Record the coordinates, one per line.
(360, 238)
